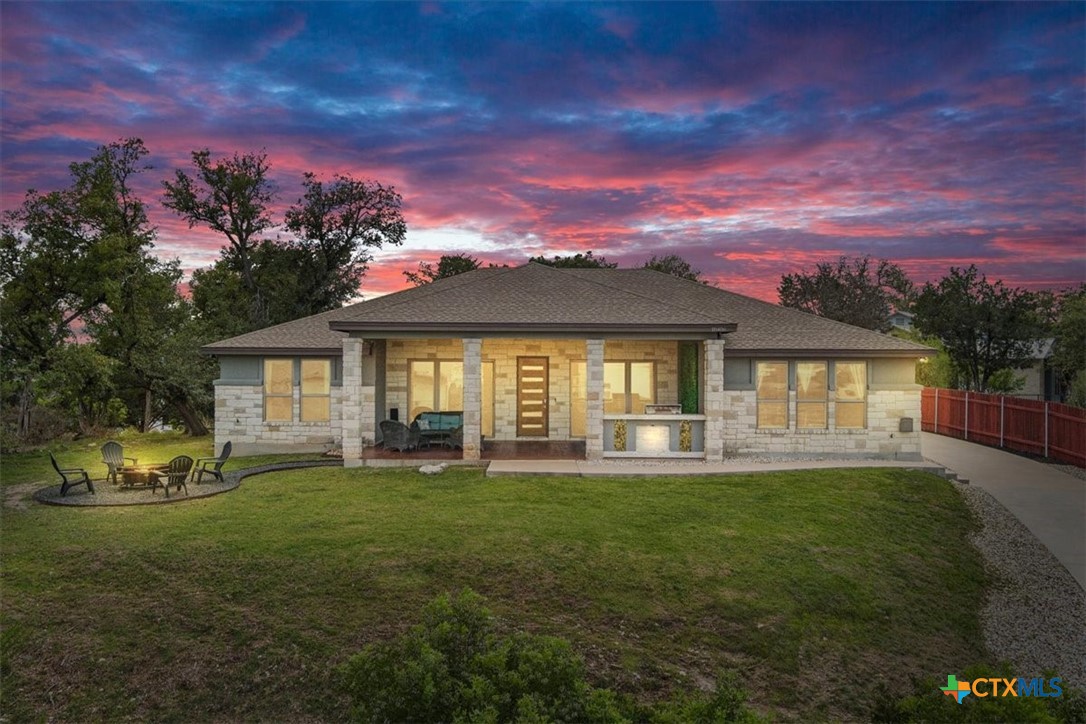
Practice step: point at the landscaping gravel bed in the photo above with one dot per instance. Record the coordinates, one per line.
(108, 494)
(1035, 614)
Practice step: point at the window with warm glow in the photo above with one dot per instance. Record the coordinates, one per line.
(851, 397)
(438, 386)
(488, 399)
(628, 387)
(278, 390)
(578, 397)
(316, 390)
(812, 395)
(772, 394)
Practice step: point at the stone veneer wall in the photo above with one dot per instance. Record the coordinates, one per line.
(503, 354)
(881, 438)
(239, 417)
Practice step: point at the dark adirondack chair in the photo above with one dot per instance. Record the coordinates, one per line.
(71, 477)
(175, 474)
(212, 466)
(113, 457)
(398, 436)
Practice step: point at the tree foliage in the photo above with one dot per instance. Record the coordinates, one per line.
(88, 312)
(448, 265)
(335, 225)
(675, 265)
(853, 290)
(68, 258)
(985, 327)
(1069, 351)
(230, 196)
(580, 260)
(316, 266)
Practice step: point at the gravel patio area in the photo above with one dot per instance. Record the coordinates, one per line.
(108, 494)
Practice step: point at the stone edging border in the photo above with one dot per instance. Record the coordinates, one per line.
(232, 480)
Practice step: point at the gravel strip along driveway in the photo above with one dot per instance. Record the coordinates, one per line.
(1035, 616)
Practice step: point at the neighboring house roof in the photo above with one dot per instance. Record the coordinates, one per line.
(1042, 348)
(536, 298)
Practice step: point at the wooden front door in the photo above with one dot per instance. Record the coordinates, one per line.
(532, 394)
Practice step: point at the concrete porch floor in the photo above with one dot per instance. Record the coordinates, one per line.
(520, 450)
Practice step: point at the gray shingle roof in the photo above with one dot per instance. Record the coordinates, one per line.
(538, 297)
(308, 334)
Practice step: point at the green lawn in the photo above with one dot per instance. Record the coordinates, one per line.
(815, 586)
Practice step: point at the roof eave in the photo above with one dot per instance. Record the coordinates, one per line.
(826, 352)
(274, 351)
(491, 327)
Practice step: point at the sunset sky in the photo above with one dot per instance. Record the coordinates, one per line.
(752, 139)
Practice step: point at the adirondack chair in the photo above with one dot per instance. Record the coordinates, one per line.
(71, 477)
(175, 474)
(113, 457)
(212, 466)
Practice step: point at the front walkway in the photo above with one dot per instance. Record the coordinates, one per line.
(1048, 501)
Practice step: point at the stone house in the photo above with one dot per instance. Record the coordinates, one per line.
(614, 362)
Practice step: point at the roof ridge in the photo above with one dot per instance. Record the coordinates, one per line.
(651, 297)
(427, 289)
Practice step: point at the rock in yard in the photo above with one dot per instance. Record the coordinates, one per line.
(433, 469)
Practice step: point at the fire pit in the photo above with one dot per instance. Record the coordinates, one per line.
(133, 476)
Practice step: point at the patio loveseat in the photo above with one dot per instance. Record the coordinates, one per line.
(436, 426)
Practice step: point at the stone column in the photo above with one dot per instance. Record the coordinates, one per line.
(473, 398)
(594, 415)
(713, 398)
(358, 424)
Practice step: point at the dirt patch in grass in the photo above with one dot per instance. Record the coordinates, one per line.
(18, 496)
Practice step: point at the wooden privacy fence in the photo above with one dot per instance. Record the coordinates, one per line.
(1032, 426)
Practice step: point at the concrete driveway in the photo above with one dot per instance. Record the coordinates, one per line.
(1051, 503)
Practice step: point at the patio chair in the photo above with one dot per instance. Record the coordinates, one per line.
(71, 477)
(398, 436)
(455, 440)
(215, 469)
(113, 457)
(175, 474)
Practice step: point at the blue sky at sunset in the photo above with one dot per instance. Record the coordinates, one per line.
(752, 139)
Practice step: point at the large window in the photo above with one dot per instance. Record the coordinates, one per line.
(851, 398)
(772, 393)
(316, 390)
(279, 390)
(812, 395)
(438, 386)
(628, 387)
(434, 386)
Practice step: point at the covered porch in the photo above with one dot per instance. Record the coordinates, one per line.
(535, 397)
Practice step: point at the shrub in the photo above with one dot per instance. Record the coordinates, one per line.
(725, 705)
(453, 667)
